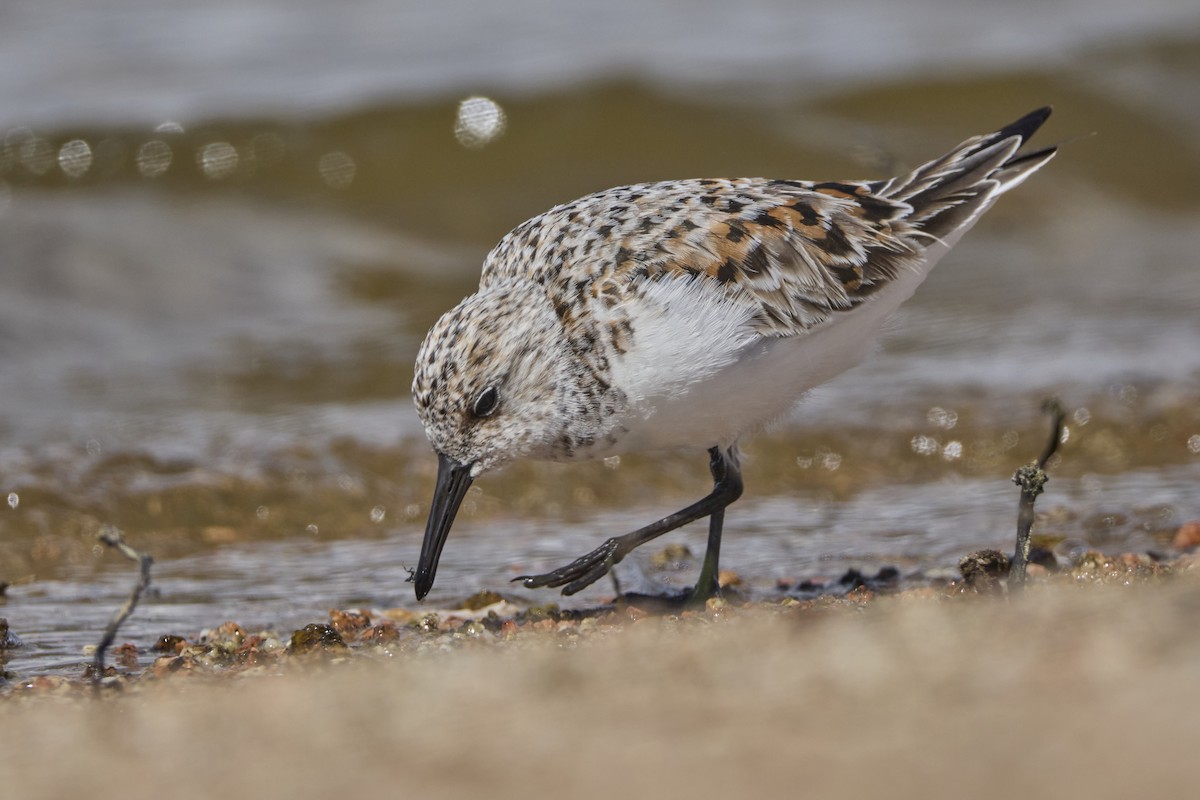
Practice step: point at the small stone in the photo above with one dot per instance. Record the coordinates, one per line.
(475, 629)
(386, 631)
(727, 578)
(349, 623)
(126, 655)
(316, 638)
(1044, 558)
(887, 575)
(717, 606)
(852, 579)
(227, 634)
(48, 683)
(983, 570)
(1187, 536)
(169, 643)
(860, 594)
(8, 639)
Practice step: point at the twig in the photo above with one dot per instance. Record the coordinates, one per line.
(113, 538)
(1032, 480)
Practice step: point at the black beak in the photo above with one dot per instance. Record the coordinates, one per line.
(453, 480)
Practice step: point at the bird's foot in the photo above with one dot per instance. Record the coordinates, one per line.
(580, 573)
(701, 594)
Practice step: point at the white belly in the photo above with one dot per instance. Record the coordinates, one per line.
(700, 376)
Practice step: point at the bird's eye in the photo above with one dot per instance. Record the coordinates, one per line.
(486, 403)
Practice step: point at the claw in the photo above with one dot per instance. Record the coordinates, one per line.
(580, 573)
(595, 574)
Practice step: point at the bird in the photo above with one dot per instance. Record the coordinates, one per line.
(682, 315)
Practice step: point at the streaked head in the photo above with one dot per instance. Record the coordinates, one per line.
(486, 390)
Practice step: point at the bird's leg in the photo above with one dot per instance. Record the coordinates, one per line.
(585, 570)
(706, 585)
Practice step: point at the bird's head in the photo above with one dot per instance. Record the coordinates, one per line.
(487, 389)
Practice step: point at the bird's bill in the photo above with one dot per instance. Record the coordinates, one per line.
(453, 480)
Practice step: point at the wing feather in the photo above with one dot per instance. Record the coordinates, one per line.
(797, 252)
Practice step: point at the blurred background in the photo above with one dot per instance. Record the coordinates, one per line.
(226, 226)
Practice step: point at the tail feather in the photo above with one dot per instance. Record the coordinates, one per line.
(961, 180)
(1018, 169)
(950, 192)
(1026, 126)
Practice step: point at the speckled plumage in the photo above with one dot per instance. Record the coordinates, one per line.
(689, 313)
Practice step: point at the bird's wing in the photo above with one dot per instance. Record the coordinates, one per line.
(799, 252)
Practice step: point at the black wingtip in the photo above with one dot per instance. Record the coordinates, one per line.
(1036, 155)
(1026, 126)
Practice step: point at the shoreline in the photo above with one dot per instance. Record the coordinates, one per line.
(1079, 687)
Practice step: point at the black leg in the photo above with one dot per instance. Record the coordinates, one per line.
(706, 585)
(583, 571)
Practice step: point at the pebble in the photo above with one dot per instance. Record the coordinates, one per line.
(1187, 536)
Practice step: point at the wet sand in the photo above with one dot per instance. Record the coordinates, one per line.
(1079, 688)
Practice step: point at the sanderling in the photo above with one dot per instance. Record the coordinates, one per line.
(682, 314)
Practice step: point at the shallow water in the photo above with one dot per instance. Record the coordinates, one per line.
(283, 586)
(221, 250)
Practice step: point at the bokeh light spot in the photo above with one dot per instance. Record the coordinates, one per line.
(337, 169)
(36, 154)
(943, 418)
(218, 160)
(924, 445)
(480, 120)
(75, 158)
(154, 158)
